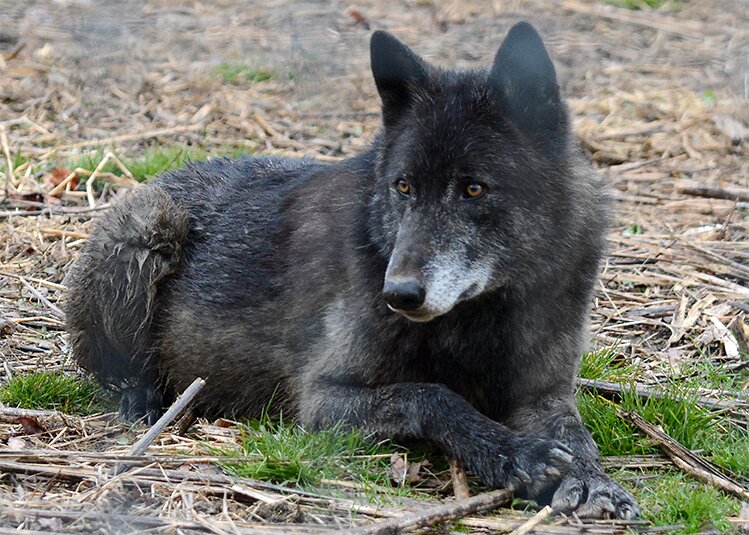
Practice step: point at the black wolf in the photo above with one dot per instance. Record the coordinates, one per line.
(437, 286)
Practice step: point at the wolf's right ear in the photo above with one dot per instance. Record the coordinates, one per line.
(397, 71)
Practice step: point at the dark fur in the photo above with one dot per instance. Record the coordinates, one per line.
(265, 275)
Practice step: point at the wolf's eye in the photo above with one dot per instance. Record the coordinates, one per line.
(403, 187)
(473, 190)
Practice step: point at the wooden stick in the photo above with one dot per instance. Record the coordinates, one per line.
(435, 515)
(114, 140)
(64, 233)
(731, 193)
(608, 389)
(177, 407)
(650, 19)
(53, 308)
(460, 480)
(13, 413)
(10, 181)
(532, 522)
(686, 460)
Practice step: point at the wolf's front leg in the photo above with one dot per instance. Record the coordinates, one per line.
(499, 456)
(585, 489)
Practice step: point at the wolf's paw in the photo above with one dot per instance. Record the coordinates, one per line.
(593, 494)
(139, 404)
(531, 465)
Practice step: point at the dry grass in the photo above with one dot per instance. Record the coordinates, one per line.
(658, 103)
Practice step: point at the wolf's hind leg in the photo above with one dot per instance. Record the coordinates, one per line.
(112, 296)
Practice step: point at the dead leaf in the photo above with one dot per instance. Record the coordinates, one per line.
(6, 327)
(53, 524)
(16, 443)
(402, 472)
(726, 337)
(223, 422)
(358, 16)
(398, 468)
(30, 425)
(414, 471)
(691, 318)
(32, 198)
(57, 175)
(731, 128)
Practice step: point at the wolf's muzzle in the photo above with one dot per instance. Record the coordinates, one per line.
(403, 295)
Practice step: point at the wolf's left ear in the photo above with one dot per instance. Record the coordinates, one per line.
(526, 85)
(397, 71)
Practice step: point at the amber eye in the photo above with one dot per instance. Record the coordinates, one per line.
(403, 187)
(474, 190)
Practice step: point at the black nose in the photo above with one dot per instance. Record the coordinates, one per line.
(403, 295)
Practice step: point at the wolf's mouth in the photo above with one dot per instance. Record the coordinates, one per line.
(417, 316)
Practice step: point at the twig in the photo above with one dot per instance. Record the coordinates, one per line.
(53, 211)
(731, 193)
(13, 412)
(114, 140)
(43, 282)
(459, 479)
(686, 460)
(435, 515)
(650, 20)
(10, 181)
(177, 407)
(54, 308)
(532, 522)
(608, 389)
(64, 233)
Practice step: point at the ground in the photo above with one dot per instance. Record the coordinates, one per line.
(660, 102)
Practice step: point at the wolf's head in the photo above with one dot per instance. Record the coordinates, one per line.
(473, 172)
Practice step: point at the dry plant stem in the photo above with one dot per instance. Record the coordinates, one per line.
(177, 407)
(608, 389)
(114, 140)
(52, 307)
(449, 512)
(14, 413)
(686, 460)
(532, 522)
(653, 20)
(10, 181)
(731, 193)
(90, 180)
(459, 480)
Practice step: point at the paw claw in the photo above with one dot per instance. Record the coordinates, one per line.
(594, 495)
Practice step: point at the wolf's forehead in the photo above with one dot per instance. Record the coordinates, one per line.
(448, 142)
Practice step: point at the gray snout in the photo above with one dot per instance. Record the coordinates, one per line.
(403, 294)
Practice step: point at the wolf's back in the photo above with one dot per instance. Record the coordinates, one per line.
(113, 284)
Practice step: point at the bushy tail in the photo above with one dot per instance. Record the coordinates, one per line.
(112, 287)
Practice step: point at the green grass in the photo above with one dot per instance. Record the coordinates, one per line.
(667, 5)
(153, 161)
(16, 160)
(285, 453)
(671, 497)
(606, 365)
(243, 72)
(54, 391)
(675, 498)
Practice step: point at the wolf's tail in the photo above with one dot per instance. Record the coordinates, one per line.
(112, 289)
